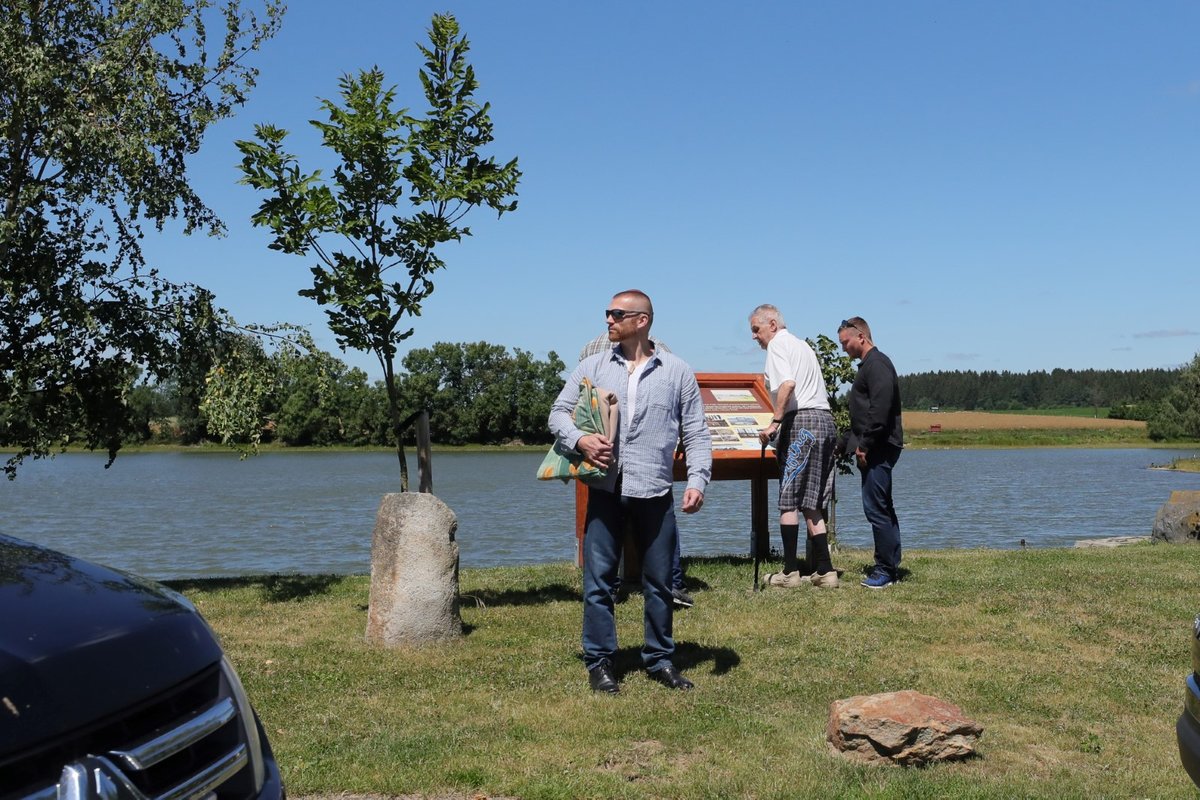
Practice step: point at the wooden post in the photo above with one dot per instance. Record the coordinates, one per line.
(580, 520)
(424, 455)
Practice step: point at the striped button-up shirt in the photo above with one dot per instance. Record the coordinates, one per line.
(668, 404)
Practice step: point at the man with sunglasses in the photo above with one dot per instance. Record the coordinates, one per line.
(679, 592)
(876, 438)
(804, 435)
(658, 401)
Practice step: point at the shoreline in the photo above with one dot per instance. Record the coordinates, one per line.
(918, 442)
(924, 430)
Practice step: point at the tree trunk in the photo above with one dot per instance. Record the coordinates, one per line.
(389, 382)
(403, 461)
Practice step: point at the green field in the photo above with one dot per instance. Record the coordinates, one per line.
(922, 439)
(1072, 660)
(1100, 412)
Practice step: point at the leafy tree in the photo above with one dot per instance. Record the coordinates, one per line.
(837, 369)
(149, 410)
(101, 103)
(364, 412)
(461, 385)
(388, 160)
(478, 393)
(318, 400)
(236, 389)
(1178, 415)
(532, 387)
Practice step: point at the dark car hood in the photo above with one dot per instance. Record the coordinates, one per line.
(80, 642)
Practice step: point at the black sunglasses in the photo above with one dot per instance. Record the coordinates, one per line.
(619, 314)
(848, 324)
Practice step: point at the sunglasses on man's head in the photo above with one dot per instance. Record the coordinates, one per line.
(619, 314)
(848, 324)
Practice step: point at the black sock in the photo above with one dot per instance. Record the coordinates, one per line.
(791, 536)
(820, 548)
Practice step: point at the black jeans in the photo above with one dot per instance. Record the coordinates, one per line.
(878, 506)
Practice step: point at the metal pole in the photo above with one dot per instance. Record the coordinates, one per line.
(754, 532)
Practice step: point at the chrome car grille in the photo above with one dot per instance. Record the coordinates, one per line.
(187, 744)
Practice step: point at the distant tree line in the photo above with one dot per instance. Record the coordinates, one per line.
(1129, 394)
(1168, 400)
(481, 393)
(475, 392)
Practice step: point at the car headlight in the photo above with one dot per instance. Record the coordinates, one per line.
(249, 721)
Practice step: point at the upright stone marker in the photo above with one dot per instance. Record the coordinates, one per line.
(414, 572)
(1179, 518)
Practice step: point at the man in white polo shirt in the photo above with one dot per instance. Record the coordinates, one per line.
(804, 435)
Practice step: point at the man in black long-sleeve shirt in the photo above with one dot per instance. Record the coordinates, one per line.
(876, 438)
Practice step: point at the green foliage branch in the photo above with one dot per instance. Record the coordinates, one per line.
(375, 284)
(101, 103)
(1178, 414)
(837, 369)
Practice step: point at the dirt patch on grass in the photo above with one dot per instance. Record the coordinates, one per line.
(983, 421)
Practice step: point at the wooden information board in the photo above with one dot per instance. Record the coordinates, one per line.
(736, 407)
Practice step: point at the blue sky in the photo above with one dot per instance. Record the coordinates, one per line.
(1010, 186)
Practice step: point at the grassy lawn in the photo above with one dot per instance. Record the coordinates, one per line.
(1072, 660)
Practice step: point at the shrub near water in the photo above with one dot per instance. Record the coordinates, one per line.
(1073, 661)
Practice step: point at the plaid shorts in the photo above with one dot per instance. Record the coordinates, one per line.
(804, 450)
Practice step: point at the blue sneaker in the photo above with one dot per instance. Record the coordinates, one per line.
(878, 580)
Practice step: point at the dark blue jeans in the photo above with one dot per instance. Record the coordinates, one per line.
(878, 506)
(676, 568)
(654, 533)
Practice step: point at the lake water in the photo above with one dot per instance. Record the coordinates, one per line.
(173, 515)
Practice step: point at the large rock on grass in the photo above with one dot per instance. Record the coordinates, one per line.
(1179, 518)
(414, 572)
(905, 728)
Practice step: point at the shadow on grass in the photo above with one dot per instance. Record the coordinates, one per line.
(491, 598)
(868, 567)
(688, 656)
(731, 560)
(274, 588)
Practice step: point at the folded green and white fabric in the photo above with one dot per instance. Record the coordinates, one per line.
(595, 412)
